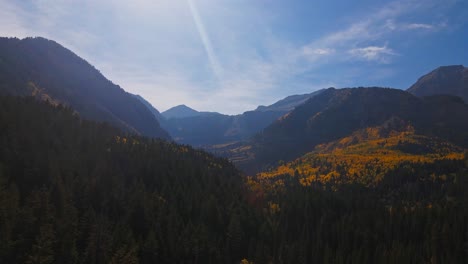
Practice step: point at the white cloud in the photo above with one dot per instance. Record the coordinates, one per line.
(318, 51)
(403, 26)
(373, 53)
(419, 26)
(424, 27)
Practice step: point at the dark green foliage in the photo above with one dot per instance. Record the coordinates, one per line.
(72, 191)
(418, 214)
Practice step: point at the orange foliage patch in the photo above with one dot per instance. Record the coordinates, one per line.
(364, 157)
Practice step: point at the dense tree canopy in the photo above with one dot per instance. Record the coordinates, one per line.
(74, 191)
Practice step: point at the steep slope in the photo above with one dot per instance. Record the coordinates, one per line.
(46, 70)
(452, 80)
(335, 114)
(77, 191)
(206, 129)
(150, 107)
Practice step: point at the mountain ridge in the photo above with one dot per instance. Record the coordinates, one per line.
(183, 111)
(288, 103)
(210, 128)
(47, 70)
(337, 113)
(150, 107)
(450, 80)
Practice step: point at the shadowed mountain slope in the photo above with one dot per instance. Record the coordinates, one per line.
(48, 71)
(150, 107)
(451, 80)
(196, 128)
(337, 113)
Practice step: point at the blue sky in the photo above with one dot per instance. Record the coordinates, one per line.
(233, 55)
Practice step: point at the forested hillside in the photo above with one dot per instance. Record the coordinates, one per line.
(416, 214)
(338, 113)
(73, 191)
(366, 156)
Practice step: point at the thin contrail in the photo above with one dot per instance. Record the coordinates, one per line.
(205, 39)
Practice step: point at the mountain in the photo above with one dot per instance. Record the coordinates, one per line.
(150, 107)
(183, 111)
(289, 103)
(337, 113)
(452, 80)
(206, 129)
(44, 69)
(212, 129)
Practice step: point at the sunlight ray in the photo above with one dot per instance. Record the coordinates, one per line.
(216, 67)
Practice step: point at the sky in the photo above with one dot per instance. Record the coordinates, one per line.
(230, 56)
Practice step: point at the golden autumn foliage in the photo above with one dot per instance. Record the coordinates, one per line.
(364, 157)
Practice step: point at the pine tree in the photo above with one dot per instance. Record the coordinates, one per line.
(42, 250)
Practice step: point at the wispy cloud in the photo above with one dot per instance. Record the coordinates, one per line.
(377, 27)
(373, 53)
(404, 26)
(419, 26)
(315, 52)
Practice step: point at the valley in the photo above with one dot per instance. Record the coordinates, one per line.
(90, 173)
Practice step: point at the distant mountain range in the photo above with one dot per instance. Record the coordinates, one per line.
(183, 111)
(189, 126)
(44, 69)
(193, 127)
